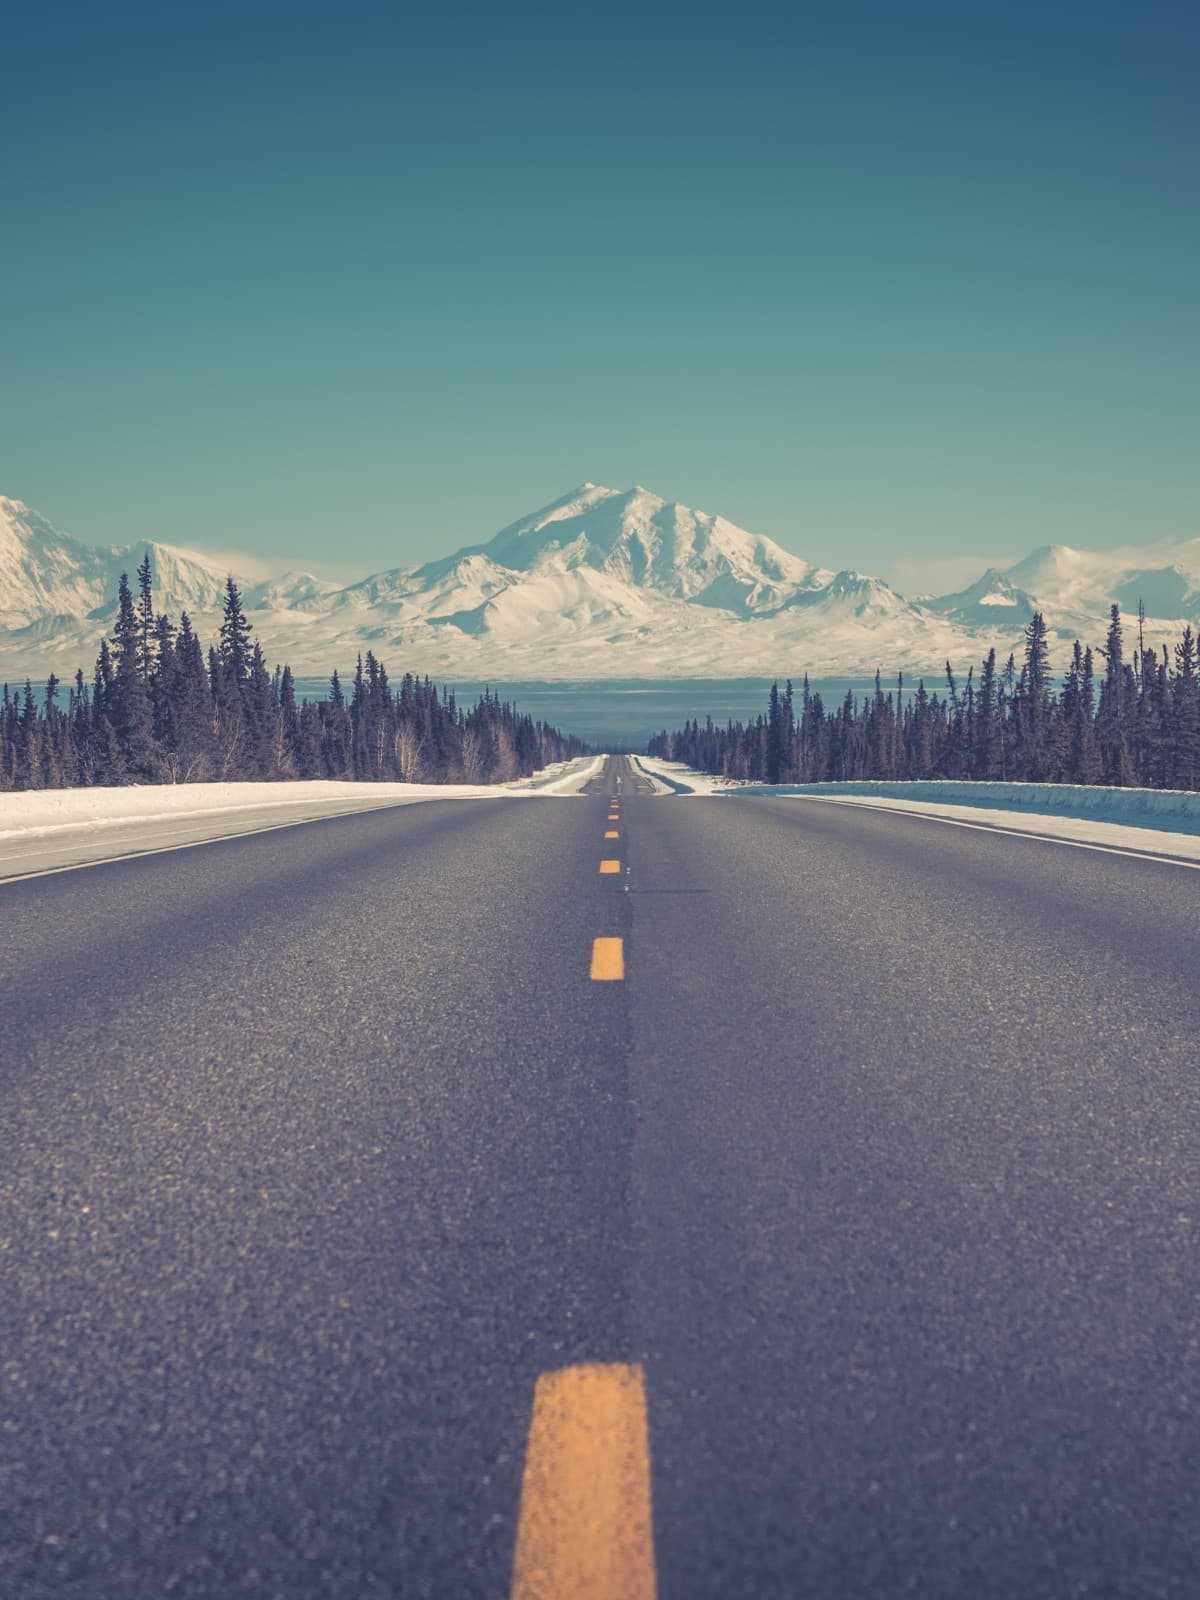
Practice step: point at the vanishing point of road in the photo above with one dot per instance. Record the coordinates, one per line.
(619, 1196)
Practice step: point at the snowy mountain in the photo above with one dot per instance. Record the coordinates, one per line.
(600, 583)
(991, 601)
(654, 546)
(1165, 576)
(44, 572)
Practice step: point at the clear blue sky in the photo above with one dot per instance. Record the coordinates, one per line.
(358, 283)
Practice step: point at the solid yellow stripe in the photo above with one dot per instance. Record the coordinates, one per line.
(612, 834)
(610, 866)
(608, 959)
(585, 1530)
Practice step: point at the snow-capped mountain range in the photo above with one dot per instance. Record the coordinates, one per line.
(599, 584)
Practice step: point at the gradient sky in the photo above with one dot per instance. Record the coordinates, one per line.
(358, 283)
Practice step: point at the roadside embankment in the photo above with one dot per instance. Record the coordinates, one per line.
(43, 810)
(1154, 821)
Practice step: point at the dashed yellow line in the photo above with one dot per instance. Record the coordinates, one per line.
(608, 960)
(585, 1530)
(612, 834)
(610, 866)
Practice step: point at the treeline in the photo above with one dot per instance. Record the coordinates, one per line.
(161, 710)
(1134, 722)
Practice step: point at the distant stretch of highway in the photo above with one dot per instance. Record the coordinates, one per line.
(604, 1197)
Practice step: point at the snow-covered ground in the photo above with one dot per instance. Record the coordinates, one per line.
(676, 777)
(1162, 822)
(49, 810)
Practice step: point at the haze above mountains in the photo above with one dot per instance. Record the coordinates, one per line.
(598, 584)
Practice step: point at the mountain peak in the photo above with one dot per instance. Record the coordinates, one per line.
(991, 601)
(635, 537)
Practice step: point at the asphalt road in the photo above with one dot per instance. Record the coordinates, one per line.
(320, 1147)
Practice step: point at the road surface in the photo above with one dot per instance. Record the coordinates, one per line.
(867, 1202)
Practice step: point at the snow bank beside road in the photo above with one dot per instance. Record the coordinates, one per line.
(1149, 821)
(1176, 809)
(661, 783)
(43, 811)
(676, 777)
(568, 777)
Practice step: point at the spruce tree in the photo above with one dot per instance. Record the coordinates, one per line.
(127, 699)
(1113, 734)
(1035, 701)
(235, 649)
(1185, 714)
(774, 736)
(290, 754)
(986, 762)
(145, 621)
(258, 703)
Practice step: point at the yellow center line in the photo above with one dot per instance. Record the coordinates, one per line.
(610, 866)
(585, 1529)
(608, 960)
(612, 834)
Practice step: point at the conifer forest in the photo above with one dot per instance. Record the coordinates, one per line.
(1129, 719)
(159, 709)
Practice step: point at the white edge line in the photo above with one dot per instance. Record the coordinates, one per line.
(192, 844)
(993, 827)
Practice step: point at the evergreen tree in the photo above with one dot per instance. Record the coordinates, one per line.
(258, 703)
(775, 736)
(146, 654)
(288, 752)
(1034, 703)
(1113, 731)
(29, 743)
(1185, 715)
(127, 699)
(235, 650)
(986, 762)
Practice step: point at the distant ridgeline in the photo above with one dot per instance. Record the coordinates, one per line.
(1137, 724)
(158, 711)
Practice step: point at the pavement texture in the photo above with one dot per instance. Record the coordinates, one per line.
(320, 1148)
